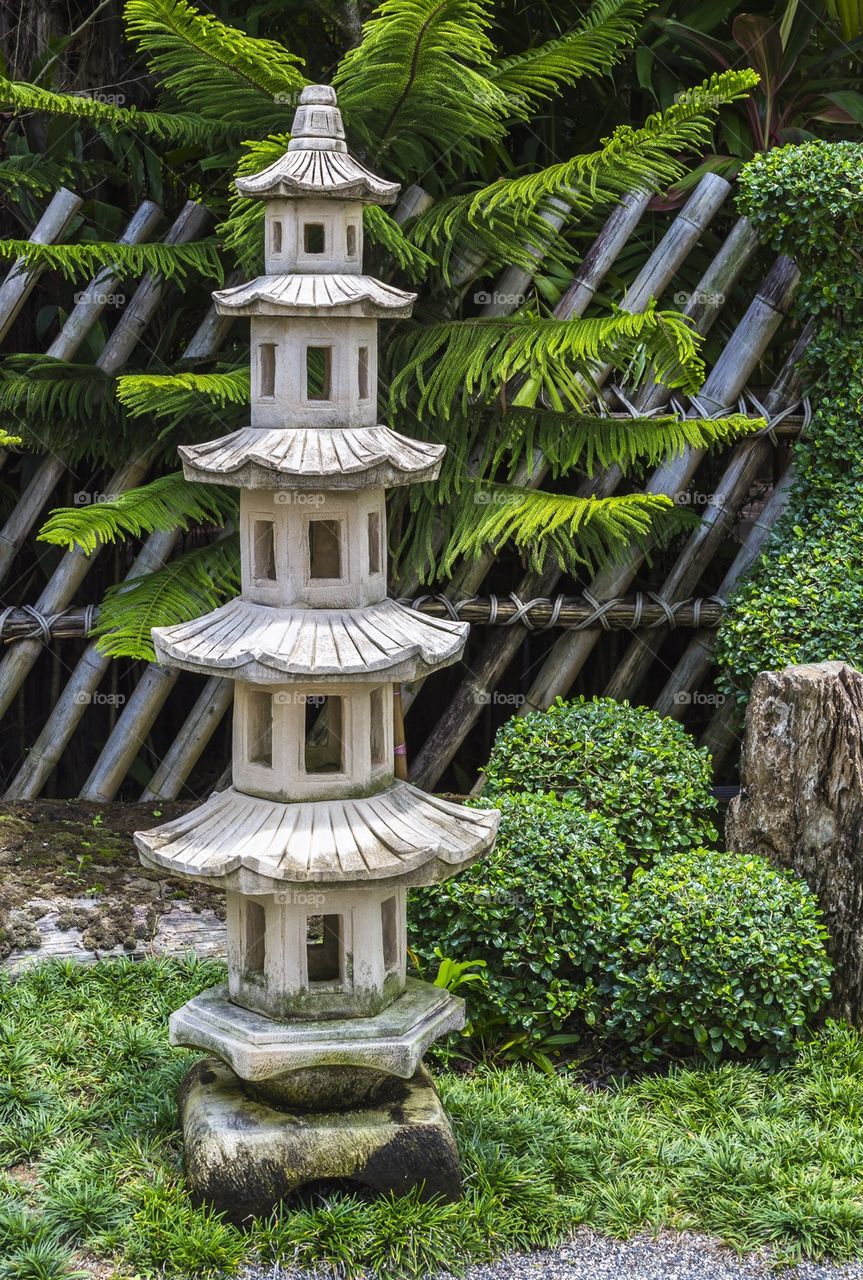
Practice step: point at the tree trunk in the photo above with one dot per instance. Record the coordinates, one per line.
(801, 800)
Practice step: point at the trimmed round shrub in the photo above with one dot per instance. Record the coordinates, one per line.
(532, 909)
(710, 951)
(641, 771)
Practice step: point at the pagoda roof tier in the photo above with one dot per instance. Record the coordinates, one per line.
(332, 172)
(312, 458)
(264, 644)
(325, 295)
(400, 834)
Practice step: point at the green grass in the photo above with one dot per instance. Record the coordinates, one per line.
(92, 1157)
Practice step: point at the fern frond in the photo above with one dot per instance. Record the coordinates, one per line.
(452, 230)
(452, 362)
(575, 532)
(594, 46)
(416, 92)
(173, 261)
(170, 502)
(184, 589)
(37, 388)
(167, 126)
(200, 403)
(382, 230)
(648, 158)
(216, 71)
(567, 442)
(33, 174)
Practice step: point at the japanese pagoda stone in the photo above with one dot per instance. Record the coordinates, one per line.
(317, 1038)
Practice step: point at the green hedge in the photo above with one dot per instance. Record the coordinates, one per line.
(804, 598)
(533, 910)
(709, 951)
(642, 772)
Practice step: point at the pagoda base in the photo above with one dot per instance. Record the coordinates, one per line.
(244, 1156)
(281, 1057)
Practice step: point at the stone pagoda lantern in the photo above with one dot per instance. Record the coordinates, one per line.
(317, 1040)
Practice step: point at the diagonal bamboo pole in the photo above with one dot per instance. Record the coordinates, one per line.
(74, 565)
(721, 389)
(50, 228)
(486, 669)
(116, 352)
(746, 461)
(67, 712)
(186, 749)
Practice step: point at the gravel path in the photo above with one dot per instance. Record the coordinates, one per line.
(594, 1257)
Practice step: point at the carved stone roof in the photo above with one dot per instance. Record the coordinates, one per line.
(332, 294)
(399, 834)
(317, 162)
(263, 644)
(318, 173)
(346, 458)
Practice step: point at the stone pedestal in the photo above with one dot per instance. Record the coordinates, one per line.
(244, 1156)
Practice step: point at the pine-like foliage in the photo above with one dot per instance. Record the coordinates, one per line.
(215, 70)
(167, 503)
(74, 261)
(188, 587)
(449, 364)
(586, 532)
(427, 98)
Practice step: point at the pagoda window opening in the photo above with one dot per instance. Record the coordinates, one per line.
(324, 948)
(260, 722)
(374, 528)
(377, 735)
(314, 237)
(324, 736)
(325, 548)
(255, 930)
(319, 373)
(276, 236)
(389, 933)
(363, 373)
(264, 551)
(351, 239)
(267, 369)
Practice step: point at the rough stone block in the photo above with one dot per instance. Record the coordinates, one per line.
(244, 1157)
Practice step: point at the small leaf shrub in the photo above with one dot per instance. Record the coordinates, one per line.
(710, 951)
(803, 599)
(642, 772)
(533, 910)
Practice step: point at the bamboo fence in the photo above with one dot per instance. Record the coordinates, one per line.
(622, 601)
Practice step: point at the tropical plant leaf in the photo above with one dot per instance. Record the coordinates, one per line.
(171, 502)
(169, 126)
(451, 363)
(216, 71)
(173, 261)
(185, 588)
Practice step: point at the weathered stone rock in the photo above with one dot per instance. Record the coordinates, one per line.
(801, 800)
(244, 1156)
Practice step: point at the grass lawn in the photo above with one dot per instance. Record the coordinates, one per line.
(92, 1181)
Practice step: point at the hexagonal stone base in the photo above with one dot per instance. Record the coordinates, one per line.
(244, 1157)
(259, 1048)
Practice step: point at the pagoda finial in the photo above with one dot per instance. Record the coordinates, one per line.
(318, 122)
